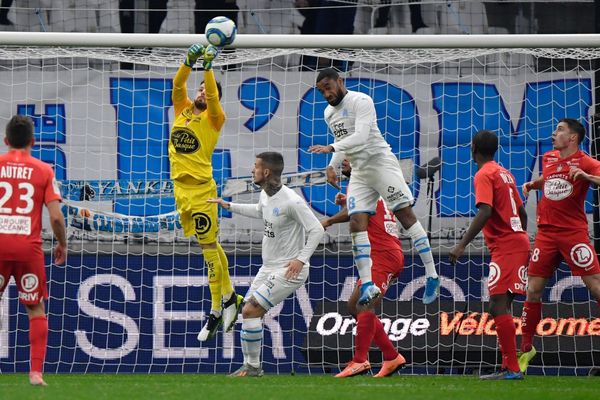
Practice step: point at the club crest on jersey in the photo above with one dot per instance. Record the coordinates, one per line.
(202, 223)
(184, 141)
(29, 282)
(276, 212)
(557, 189)
(494, 276)
(582, 255)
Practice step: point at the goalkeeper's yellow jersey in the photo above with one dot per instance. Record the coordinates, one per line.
(193, 137)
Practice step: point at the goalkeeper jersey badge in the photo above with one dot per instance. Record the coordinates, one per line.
(184, 140)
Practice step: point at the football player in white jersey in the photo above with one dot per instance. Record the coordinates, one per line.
(375, 172)
(291, 235)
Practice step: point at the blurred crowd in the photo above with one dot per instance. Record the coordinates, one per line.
(301, 16)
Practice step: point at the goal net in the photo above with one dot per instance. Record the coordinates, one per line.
(134, 294)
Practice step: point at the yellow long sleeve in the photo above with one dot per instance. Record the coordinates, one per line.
(216, 115)
(179, 94)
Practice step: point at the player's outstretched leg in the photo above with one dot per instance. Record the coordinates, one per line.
(432, 290)
(231, 310)
(211, 327)
(368, 293)
(525, 358)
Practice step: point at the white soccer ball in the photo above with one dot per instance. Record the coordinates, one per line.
(220, 31)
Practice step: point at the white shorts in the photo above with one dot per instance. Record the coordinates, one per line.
(270, 287)
(379, 177)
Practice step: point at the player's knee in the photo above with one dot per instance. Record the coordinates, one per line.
(406, 216)
(359, 222)
(252, 310)
(534, 295)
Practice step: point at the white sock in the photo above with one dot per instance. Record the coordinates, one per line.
(421, 243)
(361, 249)
(251, 335)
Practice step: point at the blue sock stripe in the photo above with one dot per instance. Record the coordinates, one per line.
(252, 330)
(420, 241)
(250, 340)
(361, 256)
(425, 250)
(361, 245)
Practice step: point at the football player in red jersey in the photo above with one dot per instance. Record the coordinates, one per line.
(562, 224)
(388, 262)
(26, 184)
(503, 219)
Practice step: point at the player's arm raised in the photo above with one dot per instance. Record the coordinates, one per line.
(179, 94)
(216, 115)
(536, 184)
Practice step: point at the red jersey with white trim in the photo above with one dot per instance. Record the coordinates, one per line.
(26, 184)
(383, 229)
(562, 202)
(495, 186)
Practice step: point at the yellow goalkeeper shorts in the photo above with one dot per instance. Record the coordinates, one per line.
(198, 218)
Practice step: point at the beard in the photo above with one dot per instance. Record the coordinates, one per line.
(200, 105)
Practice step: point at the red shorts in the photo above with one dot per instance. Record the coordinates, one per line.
(387, 266)
(30, 277)
(508, 273)
(551, 247)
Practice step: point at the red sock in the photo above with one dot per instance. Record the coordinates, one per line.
(532, 313)
(383, 341)
(505, 327)
(38, 339)
(504, 360)
(365, 329)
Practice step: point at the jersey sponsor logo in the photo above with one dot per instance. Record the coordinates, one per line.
(29, 282)
(338, 130)
(394, 196)
(184, 141)
(582, 255)
(494, 274)
(28, 296)
(557, 189)
(202, 223)
(268, 232)
(523, 274)
(15, 224)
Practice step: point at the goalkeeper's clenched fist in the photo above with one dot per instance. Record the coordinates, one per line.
(209, 55)
(194, 53)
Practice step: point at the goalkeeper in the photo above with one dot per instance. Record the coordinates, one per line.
(192, 141)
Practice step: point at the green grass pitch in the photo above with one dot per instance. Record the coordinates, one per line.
(305, 387)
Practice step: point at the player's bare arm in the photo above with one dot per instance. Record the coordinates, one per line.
(332, 177)
(483, 214)
(533, 185)
(523, 217)
(221, 202)
(320, 149)
(578, 173)
(58, 227)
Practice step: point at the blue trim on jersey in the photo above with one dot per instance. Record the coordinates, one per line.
(265, 299)
(361, 245)
(252, 330)
(420, 240)
(401, 206)
(360, 256)
(250, 340)
(361, 212)
(425, 250)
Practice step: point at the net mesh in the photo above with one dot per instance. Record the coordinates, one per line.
(134, 295)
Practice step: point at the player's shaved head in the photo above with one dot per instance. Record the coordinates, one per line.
(273, 161)
(485, 143)
(19, 132)
(328, 73)
(575, 127)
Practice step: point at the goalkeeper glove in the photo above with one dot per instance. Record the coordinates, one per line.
(209, 55)
(194, 52)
